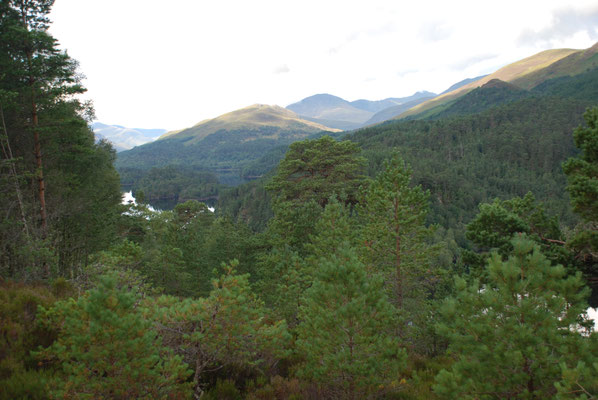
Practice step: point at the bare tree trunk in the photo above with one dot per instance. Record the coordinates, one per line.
(35, 123)
(41, 185)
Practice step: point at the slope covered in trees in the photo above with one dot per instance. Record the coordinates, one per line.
(346, 293)
(224, 145)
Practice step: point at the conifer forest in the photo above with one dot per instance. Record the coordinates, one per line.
(450, 254)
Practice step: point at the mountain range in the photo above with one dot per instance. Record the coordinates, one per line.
(250, 141)
(124, 138)
(339, 113)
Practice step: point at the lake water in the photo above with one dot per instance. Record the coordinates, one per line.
(155, 206)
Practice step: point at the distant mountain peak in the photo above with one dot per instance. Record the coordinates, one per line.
(253, 117)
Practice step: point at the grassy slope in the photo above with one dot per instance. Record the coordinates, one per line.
(249, 118)
(508, 73)
(574, 64)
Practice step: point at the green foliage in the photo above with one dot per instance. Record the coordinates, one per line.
(583, 86)
(224, 390)
(278, 388)
(581, 381)
(511, 336)
(393, 216)
(499, 222)
(503, 152)
(249, 203)
(313, 170)
(171, 182)
(179, 250)
(20, 375)
(105, 349)
(582, 177)
(492, 94)
(228, 153)
(45, 139)
(397, 244)
(582, 172)
(123, 262)
(228, 328)
(345, 333)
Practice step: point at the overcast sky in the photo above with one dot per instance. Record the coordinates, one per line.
(170, 64)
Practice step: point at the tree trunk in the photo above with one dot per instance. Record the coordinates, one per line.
(35, 122)
(41, 185)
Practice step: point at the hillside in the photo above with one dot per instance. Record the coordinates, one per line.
(252, 118)
(223, 145)
(504, 151)
(583, 86)
(491, 94)
(573, 64)
(509, 73)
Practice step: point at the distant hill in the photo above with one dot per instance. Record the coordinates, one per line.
(380, 105)
(330, 108)
(339, 113)
(528, 72)
(391, 112)
(223, 145)
(125, 138)
(253, 117)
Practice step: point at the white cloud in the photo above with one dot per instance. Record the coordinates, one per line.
(565, 24)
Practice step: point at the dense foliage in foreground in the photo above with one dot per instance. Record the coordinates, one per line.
(347, 293)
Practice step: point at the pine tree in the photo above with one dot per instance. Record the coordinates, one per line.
(511, 337)
(72, 203)
(345, 333)
(315, 169)
(396, 243)
(228, 328)
(105, 349)
(498, 222)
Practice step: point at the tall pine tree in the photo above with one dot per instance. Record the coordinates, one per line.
(512, 336)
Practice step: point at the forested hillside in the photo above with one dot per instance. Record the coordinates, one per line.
(452, 257)
(224, 146)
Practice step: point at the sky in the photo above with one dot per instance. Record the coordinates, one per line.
(170, 64)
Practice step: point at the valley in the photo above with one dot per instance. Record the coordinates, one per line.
(404, 244)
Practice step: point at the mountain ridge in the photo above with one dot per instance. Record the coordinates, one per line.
(507, 73)
(251, 117)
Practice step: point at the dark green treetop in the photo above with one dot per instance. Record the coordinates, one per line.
(511, 337)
